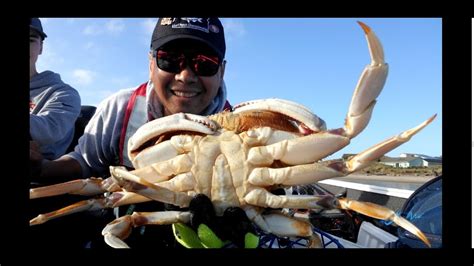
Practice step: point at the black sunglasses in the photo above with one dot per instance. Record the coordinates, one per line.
(174, 62)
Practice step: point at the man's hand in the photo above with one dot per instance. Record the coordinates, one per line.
(213, 231)
(36, 159)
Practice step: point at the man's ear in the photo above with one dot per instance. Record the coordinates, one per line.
(150, 65)
(41, 48)
(223, 68)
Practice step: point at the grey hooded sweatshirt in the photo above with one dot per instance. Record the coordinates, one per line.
(54, 108)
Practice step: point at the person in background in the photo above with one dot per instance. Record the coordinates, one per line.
(54, 108)
(54, 105)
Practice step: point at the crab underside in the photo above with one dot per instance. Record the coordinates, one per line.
(237, 158)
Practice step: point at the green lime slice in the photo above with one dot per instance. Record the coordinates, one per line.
(186, 236)
(208, 238)
(251, 240)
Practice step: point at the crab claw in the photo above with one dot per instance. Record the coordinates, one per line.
(380, 212)
(282, 225)
(119, 229)
(368, 88)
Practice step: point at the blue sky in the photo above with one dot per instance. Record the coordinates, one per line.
(316, 62)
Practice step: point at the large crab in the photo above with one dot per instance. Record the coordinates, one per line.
(236, 159)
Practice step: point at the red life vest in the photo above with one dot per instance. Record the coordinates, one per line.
(134, 118)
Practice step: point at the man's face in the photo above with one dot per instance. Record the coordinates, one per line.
(36, 47)
(184, 91)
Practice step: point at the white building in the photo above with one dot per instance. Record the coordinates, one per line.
(405, 155)
(432, 162)
(408, 160)
(402, 162)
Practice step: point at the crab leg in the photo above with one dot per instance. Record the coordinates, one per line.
(158, 172)
(85, 205)
(183, 182)
(307, 149)
(133, 183)
(176, 145)
(295, 151)
(363, 159)
(113, 200)
(293, 175)
(85, 187)
(263, 198)
(120, 228)
(380, 212)
(162, 171)
(155, 173)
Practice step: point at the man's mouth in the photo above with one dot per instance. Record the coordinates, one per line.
(185, 94)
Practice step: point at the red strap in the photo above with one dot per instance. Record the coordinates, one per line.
(140, 91)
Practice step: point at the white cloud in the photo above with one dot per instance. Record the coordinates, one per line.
(105, 93)
(115, 26)
(89, 45)
(71, 20)
(98, 96)
(92, 30)
(111, 27)
(233, 28)
(148, 26)
(83, 76)
(93, 49)
(121, 82)
(93, 96)
(49, 59)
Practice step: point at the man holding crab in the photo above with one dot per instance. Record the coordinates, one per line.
(186, 74)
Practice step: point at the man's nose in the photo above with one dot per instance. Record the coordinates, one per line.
(187, 75)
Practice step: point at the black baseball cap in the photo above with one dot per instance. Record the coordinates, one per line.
(35, 24)
(207, 30)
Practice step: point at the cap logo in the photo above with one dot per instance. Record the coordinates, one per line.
(214, 28)
(165, 21)
(201, 24)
